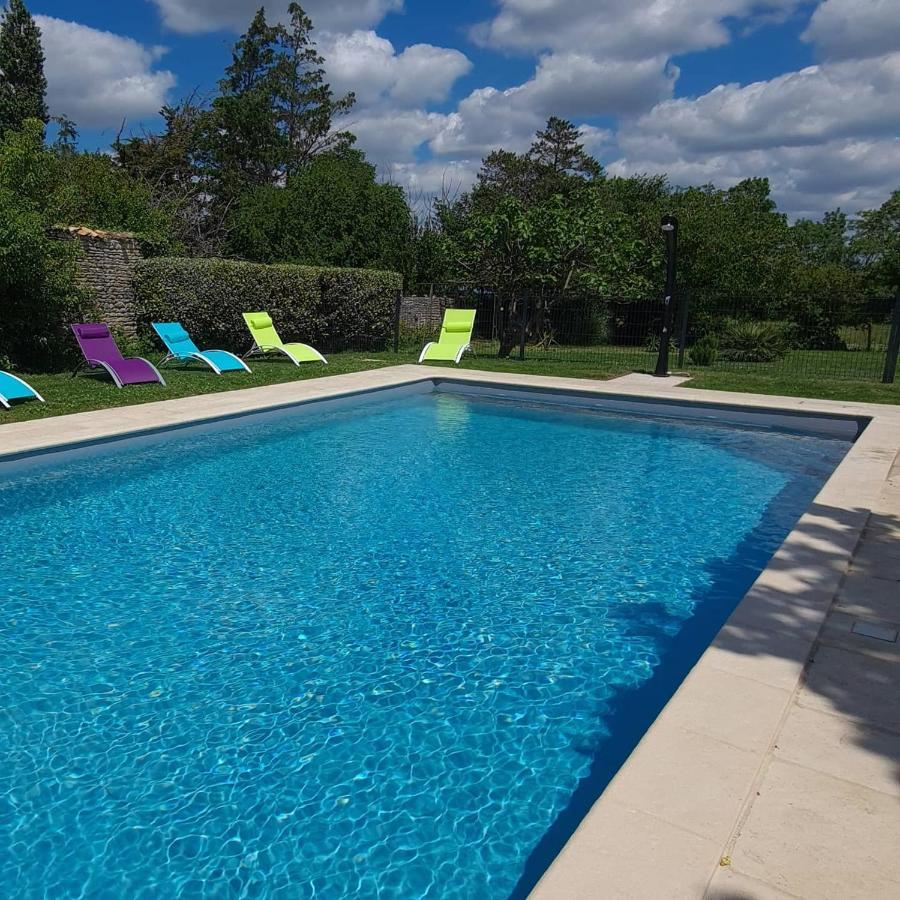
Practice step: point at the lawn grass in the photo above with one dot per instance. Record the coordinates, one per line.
(65, 394)
(787, 385)
(88, 391)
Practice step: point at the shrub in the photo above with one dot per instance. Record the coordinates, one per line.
(39, 293)
(705, 351)
(744, 340)
(333, 309)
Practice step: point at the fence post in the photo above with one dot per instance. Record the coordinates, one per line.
(893, 347)
(524, 333)
(683, 325)
(398, 300)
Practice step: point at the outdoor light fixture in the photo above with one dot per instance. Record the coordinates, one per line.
(669, 228)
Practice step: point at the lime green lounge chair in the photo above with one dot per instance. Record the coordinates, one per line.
(455, 338)
(266, 340)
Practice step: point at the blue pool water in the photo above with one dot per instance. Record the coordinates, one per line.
(366, 652)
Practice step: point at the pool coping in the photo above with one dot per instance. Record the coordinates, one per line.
(665, 820)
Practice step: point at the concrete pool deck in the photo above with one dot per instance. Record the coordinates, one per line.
(773, 770)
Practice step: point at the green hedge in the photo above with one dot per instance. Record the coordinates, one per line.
(332, 309)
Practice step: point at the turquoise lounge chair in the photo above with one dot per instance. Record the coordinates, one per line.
(13, 388)
(180, 346)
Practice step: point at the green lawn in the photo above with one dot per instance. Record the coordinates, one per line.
(787, 385)
(87, 391)
(65, 394)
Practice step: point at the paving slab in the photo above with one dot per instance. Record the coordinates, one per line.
(816, 836)
(842, 748)
(629, 855)
(869, 597)
(856, 686)
(729, 885)
(642, 379)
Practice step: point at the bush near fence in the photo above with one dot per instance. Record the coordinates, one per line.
(333, 309)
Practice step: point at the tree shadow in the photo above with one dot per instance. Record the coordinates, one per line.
(774, 623)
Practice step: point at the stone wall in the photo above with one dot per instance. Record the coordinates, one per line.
(423, 312)
(106, 261)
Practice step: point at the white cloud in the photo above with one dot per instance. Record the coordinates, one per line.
(813, 105)
(573, 85)
(845, 29)
(196, 16)
(369, 65)
(628, 29)
(825, 136)
(394, 135)
(852, 174)
(435, 178)
(98, 78)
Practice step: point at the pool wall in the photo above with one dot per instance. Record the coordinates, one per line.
(670, 814)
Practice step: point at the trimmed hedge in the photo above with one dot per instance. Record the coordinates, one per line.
(332, 309)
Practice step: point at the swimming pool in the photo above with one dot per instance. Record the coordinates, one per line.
(377, 649)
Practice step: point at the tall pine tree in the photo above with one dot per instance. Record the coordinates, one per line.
(23, 86)
(275, 110)
(305, 107)
(247, 149)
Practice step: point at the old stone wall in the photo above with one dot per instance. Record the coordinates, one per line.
(423, 312)
(106, 261)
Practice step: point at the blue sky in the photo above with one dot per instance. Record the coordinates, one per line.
(706, 91)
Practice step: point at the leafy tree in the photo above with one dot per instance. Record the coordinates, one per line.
(175, 165)
(246, 147)
(66, 142)
(38, 290)
(538, 219)
(876, 245)
(734, 246)
(823, 243)
(23, 86)
(90, 189)
(332, 212)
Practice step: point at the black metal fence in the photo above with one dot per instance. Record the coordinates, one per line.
(803, 337)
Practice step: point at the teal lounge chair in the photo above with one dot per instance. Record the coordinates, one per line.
(13, 388)
(455, 337)
(180, 346)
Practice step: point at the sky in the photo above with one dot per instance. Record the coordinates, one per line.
(804, 92)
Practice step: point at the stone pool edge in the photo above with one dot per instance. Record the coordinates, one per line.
(663, 823)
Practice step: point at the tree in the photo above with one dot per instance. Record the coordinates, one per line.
(39, 293)
(304, 105)
(175, 166)
(558, 150)
(276, 110)
(538, 219)
(823, 243)
(91, 189)
(332, 212)
(66, 142)
(246, 147)
(876, 245)
(23, 86)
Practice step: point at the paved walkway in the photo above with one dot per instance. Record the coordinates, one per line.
(825, 818)
(641, 379)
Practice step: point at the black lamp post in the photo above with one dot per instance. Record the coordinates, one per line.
(670, 232)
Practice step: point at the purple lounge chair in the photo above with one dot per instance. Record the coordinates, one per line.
(100, 349)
